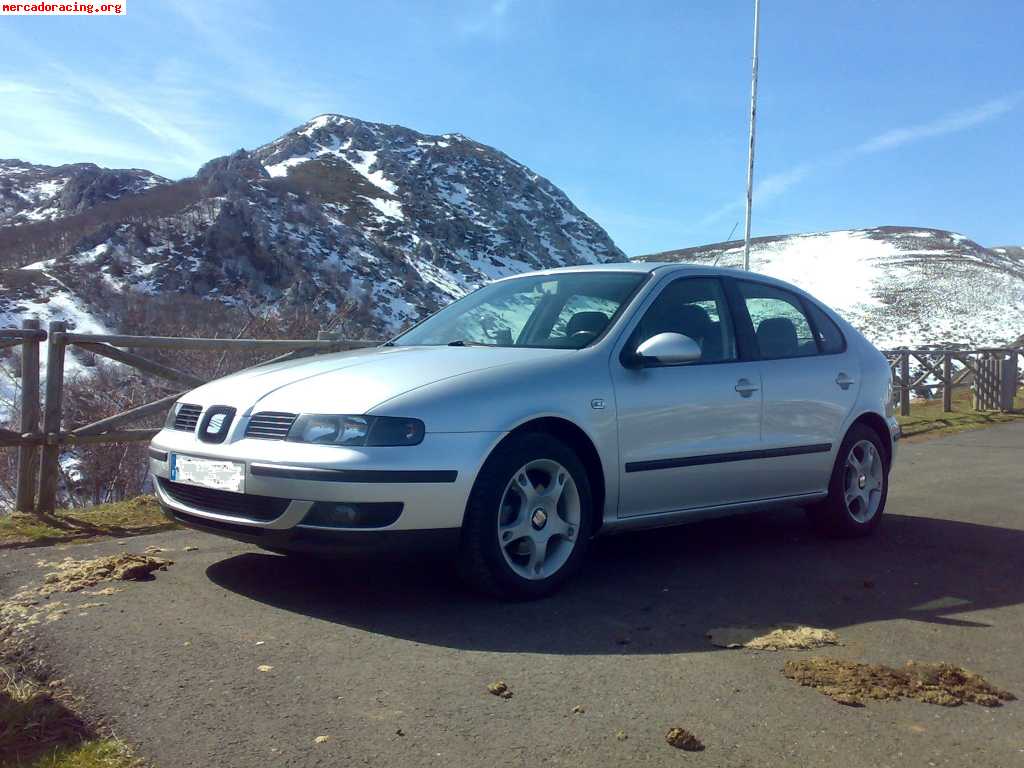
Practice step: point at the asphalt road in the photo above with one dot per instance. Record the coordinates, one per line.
(390, 659)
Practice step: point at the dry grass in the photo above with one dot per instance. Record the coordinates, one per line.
(927, 419)
(131, 517)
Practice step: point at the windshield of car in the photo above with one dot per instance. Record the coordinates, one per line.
(558, 311)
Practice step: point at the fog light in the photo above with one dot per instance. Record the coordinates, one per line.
(333, 514)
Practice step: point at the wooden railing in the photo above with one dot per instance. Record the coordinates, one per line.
(993, 373)
(40, 445)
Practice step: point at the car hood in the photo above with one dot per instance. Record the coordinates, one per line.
(355, 382)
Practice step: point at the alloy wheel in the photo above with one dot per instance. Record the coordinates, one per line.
(864, 481)
(539, 519)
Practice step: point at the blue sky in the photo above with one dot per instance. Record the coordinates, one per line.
(870, 113)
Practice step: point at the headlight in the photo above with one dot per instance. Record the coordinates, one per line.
(373, 431)
(171, 416)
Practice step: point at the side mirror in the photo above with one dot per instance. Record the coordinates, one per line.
(668, 349)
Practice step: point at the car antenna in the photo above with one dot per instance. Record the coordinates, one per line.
(731, 232)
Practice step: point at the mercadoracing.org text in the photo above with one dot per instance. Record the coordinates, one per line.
(64, 9)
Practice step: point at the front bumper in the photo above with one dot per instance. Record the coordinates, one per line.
(432, 482)
(895, 433)
(324, 541)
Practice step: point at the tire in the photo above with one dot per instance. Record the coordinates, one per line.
(867, 488)
(543, 538)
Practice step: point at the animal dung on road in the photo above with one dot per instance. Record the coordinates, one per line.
(772, 639)
(849, 683)
(73, 575)
(680, 738)
(500, 688)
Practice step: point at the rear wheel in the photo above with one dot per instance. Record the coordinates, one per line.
(858, 488)
(528, 520)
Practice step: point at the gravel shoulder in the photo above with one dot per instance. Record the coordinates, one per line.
(235, 657)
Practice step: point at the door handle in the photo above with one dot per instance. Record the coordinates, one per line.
(844, 381)
(745, 388)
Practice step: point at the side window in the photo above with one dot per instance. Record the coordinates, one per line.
(695, 307)
(829, 336)
(780, 325)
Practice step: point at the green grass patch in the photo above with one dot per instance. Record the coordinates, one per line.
(98, 753)
(130, 517)
(927, 419)
(39, 728)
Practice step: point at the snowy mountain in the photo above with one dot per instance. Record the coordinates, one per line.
(376, 222)
(901, 286)
(31, 193)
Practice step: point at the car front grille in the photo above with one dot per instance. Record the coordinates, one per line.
(247, 505)
(187, 417)
(270, 425)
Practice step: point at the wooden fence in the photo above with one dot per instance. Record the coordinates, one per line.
(40, 445)
(994, 374)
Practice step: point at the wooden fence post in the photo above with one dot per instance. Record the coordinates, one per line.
(1007, 380)
(49, 473)
(947, 382)
(905, 383)
(28, 455)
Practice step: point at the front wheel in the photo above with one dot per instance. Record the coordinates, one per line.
(528, 520)
(858, 488)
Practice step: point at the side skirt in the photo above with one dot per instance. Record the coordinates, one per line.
(694, 514)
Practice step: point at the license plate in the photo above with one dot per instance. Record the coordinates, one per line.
(208, 473)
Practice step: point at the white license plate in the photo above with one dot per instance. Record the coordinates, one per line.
(208, 473)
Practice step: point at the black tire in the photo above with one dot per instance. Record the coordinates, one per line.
(481, 562)
(832, 517)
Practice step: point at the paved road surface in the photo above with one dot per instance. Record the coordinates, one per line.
(363, 652)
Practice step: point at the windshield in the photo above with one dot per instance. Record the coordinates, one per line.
(560, 311)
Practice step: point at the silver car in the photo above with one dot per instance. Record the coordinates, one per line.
(538, 412)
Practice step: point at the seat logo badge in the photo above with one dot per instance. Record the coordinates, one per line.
(597, 404)
(213, 428)
(539, 518)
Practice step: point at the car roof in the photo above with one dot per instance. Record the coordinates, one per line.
(674, 267)
(637, 266)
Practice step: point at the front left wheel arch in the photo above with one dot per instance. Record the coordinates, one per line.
(574, 437)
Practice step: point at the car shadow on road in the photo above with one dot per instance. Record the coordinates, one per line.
(660, 591)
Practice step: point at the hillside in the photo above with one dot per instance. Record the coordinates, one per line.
(377, 223)
(901, 286)
(33, 193)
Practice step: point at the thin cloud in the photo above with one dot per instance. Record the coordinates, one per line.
(227, 31)
(775, 185)
(953, 123)
(121, 102)
(60, 126)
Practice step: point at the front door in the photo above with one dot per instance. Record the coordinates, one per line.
(687, 432)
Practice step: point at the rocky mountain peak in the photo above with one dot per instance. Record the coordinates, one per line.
(378, 223)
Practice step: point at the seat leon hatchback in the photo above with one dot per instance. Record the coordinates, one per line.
(539, 412)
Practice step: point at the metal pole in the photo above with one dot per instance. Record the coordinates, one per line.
(753, 126)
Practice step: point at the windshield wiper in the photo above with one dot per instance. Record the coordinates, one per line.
(465, 343)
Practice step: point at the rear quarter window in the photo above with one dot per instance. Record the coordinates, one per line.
(830, 338)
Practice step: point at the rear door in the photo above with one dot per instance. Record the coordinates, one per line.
(810, 381)
(686, 432)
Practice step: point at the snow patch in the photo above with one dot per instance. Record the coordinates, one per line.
(367, 159)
